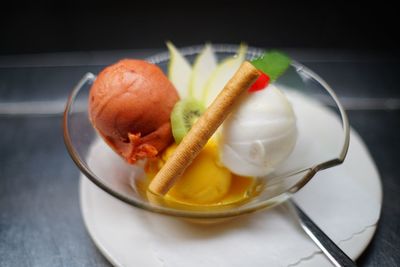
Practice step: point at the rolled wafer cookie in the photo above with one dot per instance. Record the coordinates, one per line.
(203, 129)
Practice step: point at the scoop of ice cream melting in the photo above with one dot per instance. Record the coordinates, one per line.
(259, 134)
(130, 104)
(204, 182)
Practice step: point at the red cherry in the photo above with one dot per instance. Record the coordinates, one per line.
(260, 83)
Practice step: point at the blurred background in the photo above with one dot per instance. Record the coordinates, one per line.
(54, 26)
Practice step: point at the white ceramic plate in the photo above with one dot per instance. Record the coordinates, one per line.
(131, 237)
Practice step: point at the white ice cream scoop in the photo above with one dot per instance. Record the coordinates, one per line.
(259, 134)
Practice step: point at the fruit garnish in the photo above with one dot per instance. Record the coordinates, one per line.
(227, 83)
(203, 66)
(272, 63)
(184, 115)
(222, 74)
(179, 71)
(260, 83)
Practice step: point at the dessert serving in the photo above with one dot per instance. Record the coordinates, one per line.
(201, 133)
(208, 134)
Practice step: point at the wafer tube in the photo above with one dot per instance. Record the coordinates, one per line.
(203, 129)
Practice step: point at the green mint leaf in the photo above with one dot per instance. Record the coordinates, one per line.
(273, 63)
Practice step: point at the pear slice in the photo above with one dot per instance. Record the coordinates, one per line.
(179, 71)
(222, 74)
(204, 65)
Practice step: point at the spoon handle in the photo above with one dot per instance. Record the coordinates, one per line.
(336, 256)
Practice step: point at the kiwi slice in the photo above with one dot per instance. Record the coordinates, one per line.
(184, 115)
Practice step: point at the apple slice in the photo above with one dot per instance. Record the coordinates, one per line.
(222, 74)
(204, 65)
(179, 71)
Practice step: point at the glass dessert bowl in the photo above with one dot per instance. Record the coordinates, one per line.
(322, 142)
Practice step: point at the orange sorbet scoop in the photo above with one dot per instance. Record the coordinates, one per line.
(129, 105)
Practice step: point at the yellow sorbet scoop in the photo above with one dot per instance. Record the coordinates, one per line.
(204, 181)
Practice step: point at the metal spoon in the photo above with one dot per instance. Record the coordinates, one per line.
(335, 255)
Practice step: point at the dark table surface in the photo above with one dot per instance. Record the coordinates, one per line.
(40, 220)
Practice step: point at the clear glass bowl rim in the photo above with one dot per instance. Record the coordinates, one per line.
(188, 51)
